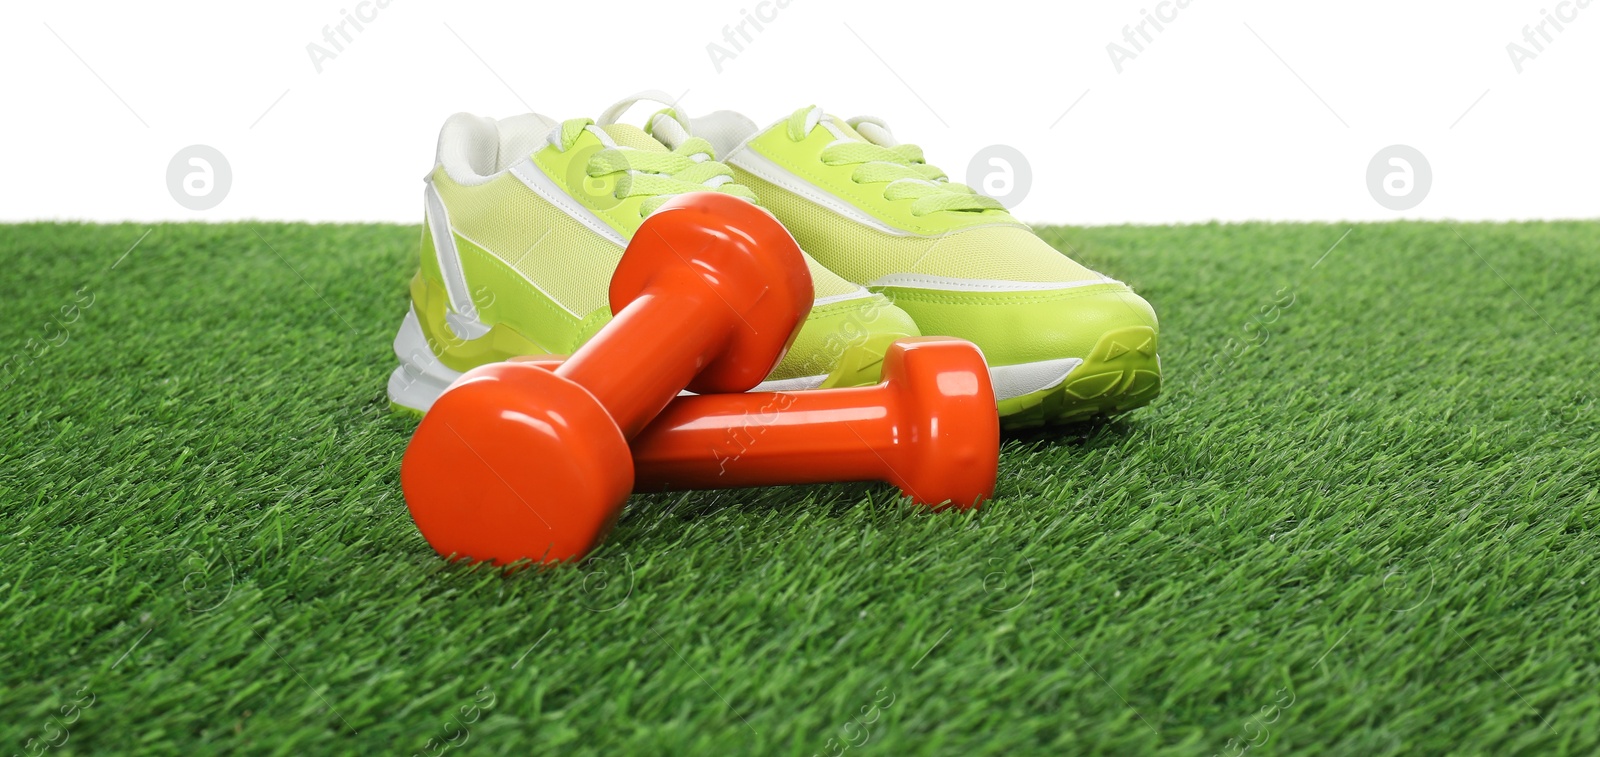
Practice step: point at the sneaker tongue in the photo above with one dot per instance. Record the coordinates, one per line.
(628, 135)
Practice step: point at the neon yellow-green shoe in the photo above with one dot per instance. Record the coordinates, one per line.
(1064, 343)
(526, 220)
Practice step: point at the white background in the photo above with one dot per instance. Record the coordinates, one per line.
(1206, 123)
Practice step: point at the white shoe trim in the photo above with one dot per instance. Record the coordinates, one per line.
(782, 178)
(859, 293)
(1026, 378)
(548, 191)
(444, 249)
(952, 284)
(530, 282)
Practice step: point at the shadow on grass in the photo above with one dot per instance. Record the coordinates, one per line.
(1095, 433)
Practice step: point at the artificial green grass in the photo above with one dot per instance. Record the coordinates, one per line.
(1362, 519)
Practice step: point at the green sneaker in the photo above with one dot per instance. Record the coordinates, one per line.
(525, 222)
(1064, 343)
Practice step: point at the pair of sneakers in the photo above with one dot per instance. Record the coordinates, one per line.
(526, 219)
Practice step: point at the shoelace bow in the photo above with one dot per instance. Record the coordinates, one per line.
(903, 168)
(657, 175)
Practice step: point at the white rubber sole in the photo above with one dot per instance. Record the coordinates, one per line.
(421, 378)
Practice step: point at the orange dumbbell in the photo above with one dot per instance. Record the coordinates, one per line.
(519, 462)
(930, 428)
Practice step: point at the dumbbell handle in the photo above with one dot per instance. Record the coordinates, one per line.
(677, 334)
(773, 438)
